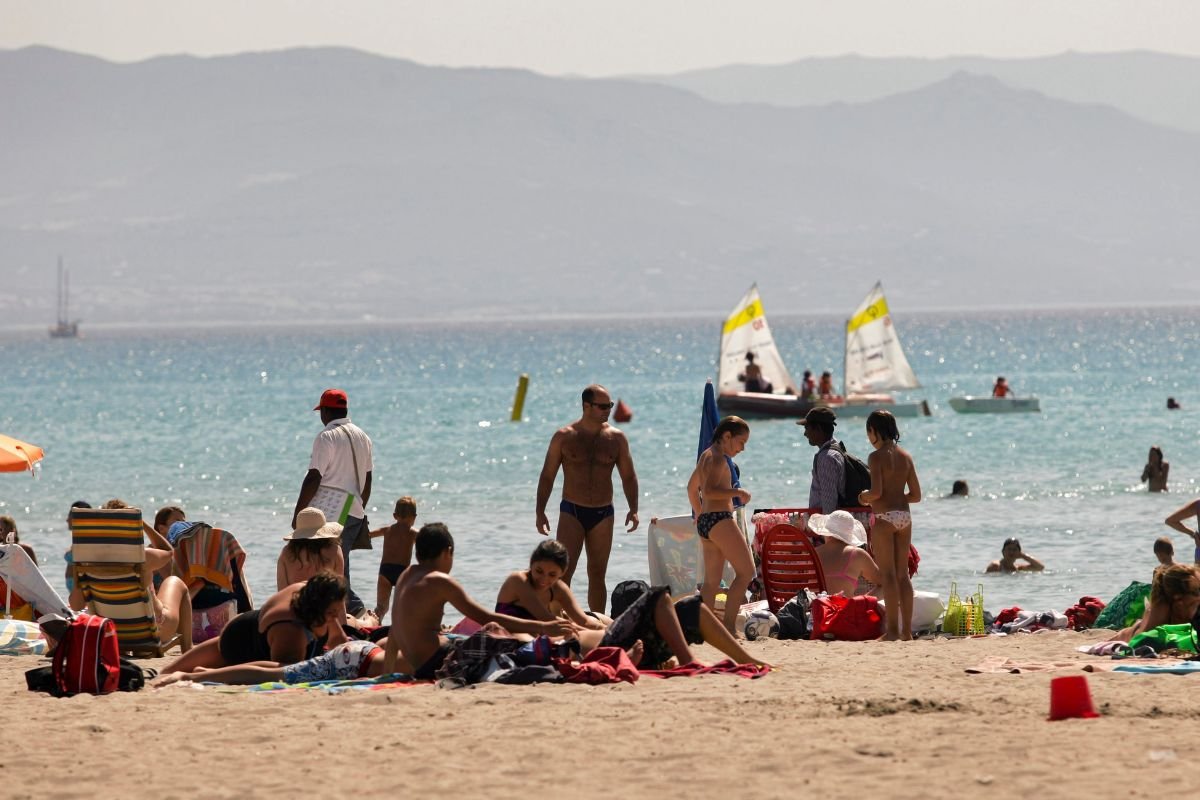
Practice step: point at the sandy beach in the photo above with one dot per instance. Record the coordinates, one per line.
(837, 719)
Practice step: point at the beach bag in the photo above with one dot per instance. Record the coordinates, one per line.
(1166, 637)
(964, 617)
(848, 619)
(795, 616)
(856, 476)
(87, 659)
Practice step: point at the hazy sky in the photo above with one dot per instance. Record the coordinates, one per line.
(605, 37)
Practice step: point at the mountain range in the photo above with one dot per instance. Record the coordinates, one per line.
(330, 184)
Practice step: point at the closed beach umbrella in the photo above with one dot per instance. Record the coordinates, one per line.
(18, 456)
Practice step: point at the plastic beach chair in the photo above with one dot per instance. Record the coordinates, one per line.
(789, 563)
(109, 568)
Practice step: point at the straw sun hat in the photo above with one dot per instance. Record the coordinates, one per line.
(840, 525)
(311, 524)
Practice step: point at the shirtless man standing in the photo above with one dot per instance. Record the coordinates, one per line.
(588, 450)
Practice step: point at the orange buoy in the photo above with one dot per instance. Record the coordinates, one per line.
(622, 413)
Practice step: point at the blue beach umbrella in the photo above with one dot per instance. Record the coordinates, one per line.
(709, 419)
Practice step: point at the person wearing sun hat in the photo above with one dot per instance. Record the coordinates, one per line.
(339, 471)
(843, 559)
(312, 547)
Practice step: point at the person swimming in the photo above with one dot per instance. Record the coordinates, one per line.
(1010, 554)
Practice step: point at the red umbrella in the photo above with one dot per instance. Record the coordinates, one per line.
(18, 456)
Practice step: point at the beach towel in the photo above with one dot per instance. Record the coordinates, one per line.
(602, 665)
(213, 555)
(726, 667)
(674, 552)
(1124, 609)
(396, 680)
(994, 665)
(22, 638)
(1177, 668)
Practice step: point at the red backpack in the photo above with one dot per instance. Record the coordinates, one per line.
(87, 659)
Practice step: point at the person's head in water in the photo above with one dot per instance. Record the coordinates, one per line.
(548, 564)
(1164, 551)
(434, 545)
(883, 425)
(1011, 548)
(959, 489)
(1171, 403)
(738, 434)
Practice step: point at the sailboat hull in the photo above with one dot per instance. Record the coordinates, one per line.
(790, 406)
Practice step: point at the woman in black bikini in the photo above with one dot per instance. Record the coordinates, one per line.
(291, 626)
(711, 495)
(540, 593)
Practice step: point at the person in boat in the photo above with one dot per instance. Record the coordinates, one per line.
(1164, 551)
(588, 450)
(829, 464)
(539, 593)
(1156, 470)
(843, 559)
(959, 489)
(711, 494)
(753, 377)
(1010, 554)
(1001, 388)
(420, 601)
(825, 387)
(314, 546)
(1174, 599)
(894, 487)
(808, 387)
(1175, 521)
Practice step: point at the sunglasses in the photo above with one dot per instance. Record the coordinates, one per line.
(605, 406)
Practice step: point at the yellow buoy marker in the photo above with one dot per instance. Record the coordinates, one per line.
(519, 400)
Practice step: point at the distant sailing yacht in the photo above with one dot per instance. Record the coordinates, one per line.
(65, 329)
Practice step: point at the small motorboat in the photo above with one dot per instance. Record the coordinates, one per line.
(994, 405)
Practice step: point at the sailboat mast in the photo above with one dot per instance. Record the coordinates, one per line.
(845, 361)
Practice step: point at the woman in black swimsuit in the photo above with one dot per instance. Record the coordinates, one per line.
(539, 593)
(291, 626)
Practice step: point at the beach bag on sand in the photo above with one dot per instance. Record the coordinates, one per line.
(795, 616)
(964, 617)
(87, 660)
(848, 619)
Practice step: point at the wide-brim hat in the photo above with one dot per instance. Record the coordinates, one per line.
(820, 415)
(311, 524)
(840, 525)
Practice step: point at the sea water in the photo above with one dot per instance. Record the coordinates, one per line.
(220, 421)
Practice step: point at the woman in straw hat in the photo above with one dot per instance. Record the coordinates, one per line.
(843, 560)
(313, 547)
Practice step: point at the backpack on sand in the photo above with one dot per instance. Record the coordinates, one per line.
(87, 660)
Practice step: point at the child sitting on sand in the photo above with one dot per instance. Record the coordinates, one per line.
(397, 551)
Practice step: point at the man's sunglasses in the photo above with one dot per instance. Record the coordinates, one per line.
(605, 406)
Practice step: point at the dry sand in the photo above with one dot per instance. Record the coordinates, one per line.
(838, 720)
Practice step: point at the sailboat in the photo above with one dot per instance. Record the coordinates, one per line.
(65, 328)
(874, 364)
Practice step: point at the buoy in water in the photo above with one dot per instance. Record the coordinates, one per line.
(622, 413)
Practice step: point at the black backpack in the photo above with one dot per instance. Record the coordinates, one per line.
(856, 477)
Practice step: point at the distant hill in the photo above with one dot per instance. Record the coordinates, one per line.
(1159, 88)
(328, 184)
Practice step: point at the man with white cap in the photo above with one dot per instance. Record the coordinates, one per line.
(829, 465)
(843, 559)
(339, 478)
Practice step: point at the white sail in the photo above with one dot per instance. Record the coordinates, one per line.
(746, 331)
(875, 360)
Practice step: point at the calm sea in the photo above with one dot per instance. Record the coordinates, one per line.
(220, 422)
